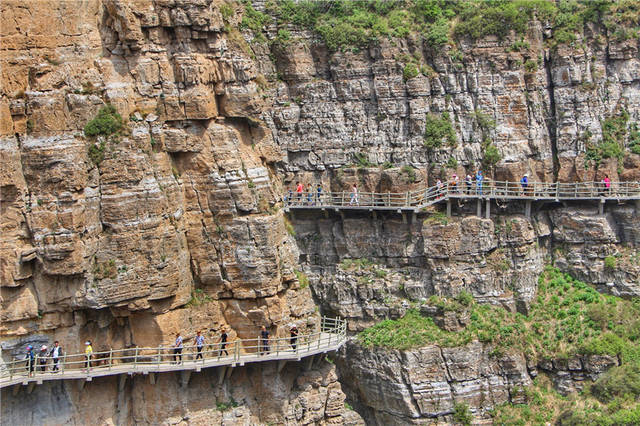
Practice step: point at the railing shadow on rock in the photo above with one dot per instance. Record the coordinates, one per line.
(332, 335)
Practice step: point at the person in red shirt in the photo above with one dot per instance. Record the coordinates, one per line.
(299, 190)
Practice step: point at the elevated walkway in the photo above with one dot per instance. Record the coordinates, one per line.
(417, 200)
(148, 361)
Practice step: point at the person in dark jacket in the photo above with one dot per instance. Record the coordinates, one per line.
(42, 358)
(55, 355)
(264, 340)
(294, 337)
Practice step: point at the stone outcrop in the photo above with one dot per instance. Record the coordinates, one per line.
(415, 386)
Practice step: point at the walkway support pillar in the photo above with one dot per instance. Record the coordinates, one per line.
(527, 209)
(281, 364)
(479, 208)
(309, 363)
(601, 207)
(121, 382)
(488, 214)
(185, 376)
(152, 378)
(448, 207)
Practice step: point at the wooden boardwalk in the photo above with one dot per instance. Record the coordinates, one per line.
(148, 361)
(417, 200)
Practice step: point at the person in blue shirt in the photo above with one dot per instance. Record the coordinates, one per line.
(479, 179)
(319, 195)
(31, 359)
(177, 349)
(524, 183)
(199, 344)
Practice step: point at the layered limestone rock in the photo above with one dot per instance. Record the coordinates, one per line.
(252, 395)
(417, 386)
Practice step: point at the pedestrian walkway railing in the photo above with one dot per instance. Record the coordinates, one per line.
(487, 189)
(332, 335)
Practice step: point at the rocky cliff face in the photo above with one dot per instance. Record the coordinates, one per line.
(173, 224)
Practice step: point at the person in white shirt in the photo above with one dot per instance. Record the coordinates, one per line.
(199, 344)
(55, 354)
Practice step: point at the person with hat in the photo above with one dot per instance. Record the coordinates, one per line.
(42, 358)
(30, 358)
(199, 344)
(88, 352)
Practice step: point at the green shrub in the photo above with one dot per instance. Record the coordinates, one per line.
(618, 382)
(226, 11)
(30, 125)
(362, 160)
(96, 152)
(410, 172)
(462, 414)
(610, 263)
(288, 226)
(452, 163)
(106, 123)
(491, 154)
(439, 129)
(303, 279)
(410, 71)
(531, 65)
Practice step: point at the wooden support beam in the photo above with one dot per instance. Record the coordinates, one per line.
(152, 378)
(479, 208)
(281, 364)
(488, 216)
(122, 380)
(185, 376)
(30, 387)
(448, 207)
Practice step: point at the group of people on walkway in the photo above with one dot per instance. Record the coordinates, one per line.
(50, 357)
(44, 355)
(304, 197)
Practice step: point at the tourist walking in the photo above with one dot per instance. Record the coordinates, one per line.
(299, 190)
(199, 344)
(467, 182)
(264, 341)
(438, 189)
(223, 342)
(55, 354)
(31, 359)
(289, 198)
(607, 184)
(319, 195)
(294, 337)
(177, 349)
(524, 183)
(88, 353)
(454, 183)
(42, 358)
(479, 179)
(354, 195)
(310, 195)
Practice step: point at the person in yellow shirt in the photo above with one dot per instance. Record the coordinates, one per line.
(88, 352)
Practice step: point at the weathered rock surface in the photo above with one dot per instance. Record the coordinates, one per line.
(253, 395)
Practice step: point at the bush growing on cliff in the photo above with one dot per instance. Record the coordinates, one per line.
(410, 71)
(108, 122)
(438, 129)
(462, 414)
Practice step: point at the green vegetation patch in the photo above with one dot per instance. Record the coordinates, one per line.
(567, 317)
(438, 130)
(108, 122)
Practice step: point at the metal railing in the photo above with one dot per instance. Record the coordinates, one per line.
(332, 335)
(488, 189)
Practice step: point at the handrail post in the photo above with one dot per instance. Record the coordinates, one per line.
(159, 355)
(110, 357)
(64, 361)
(35, 366)
(557, 189)
(237, 351)
(135, 359)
